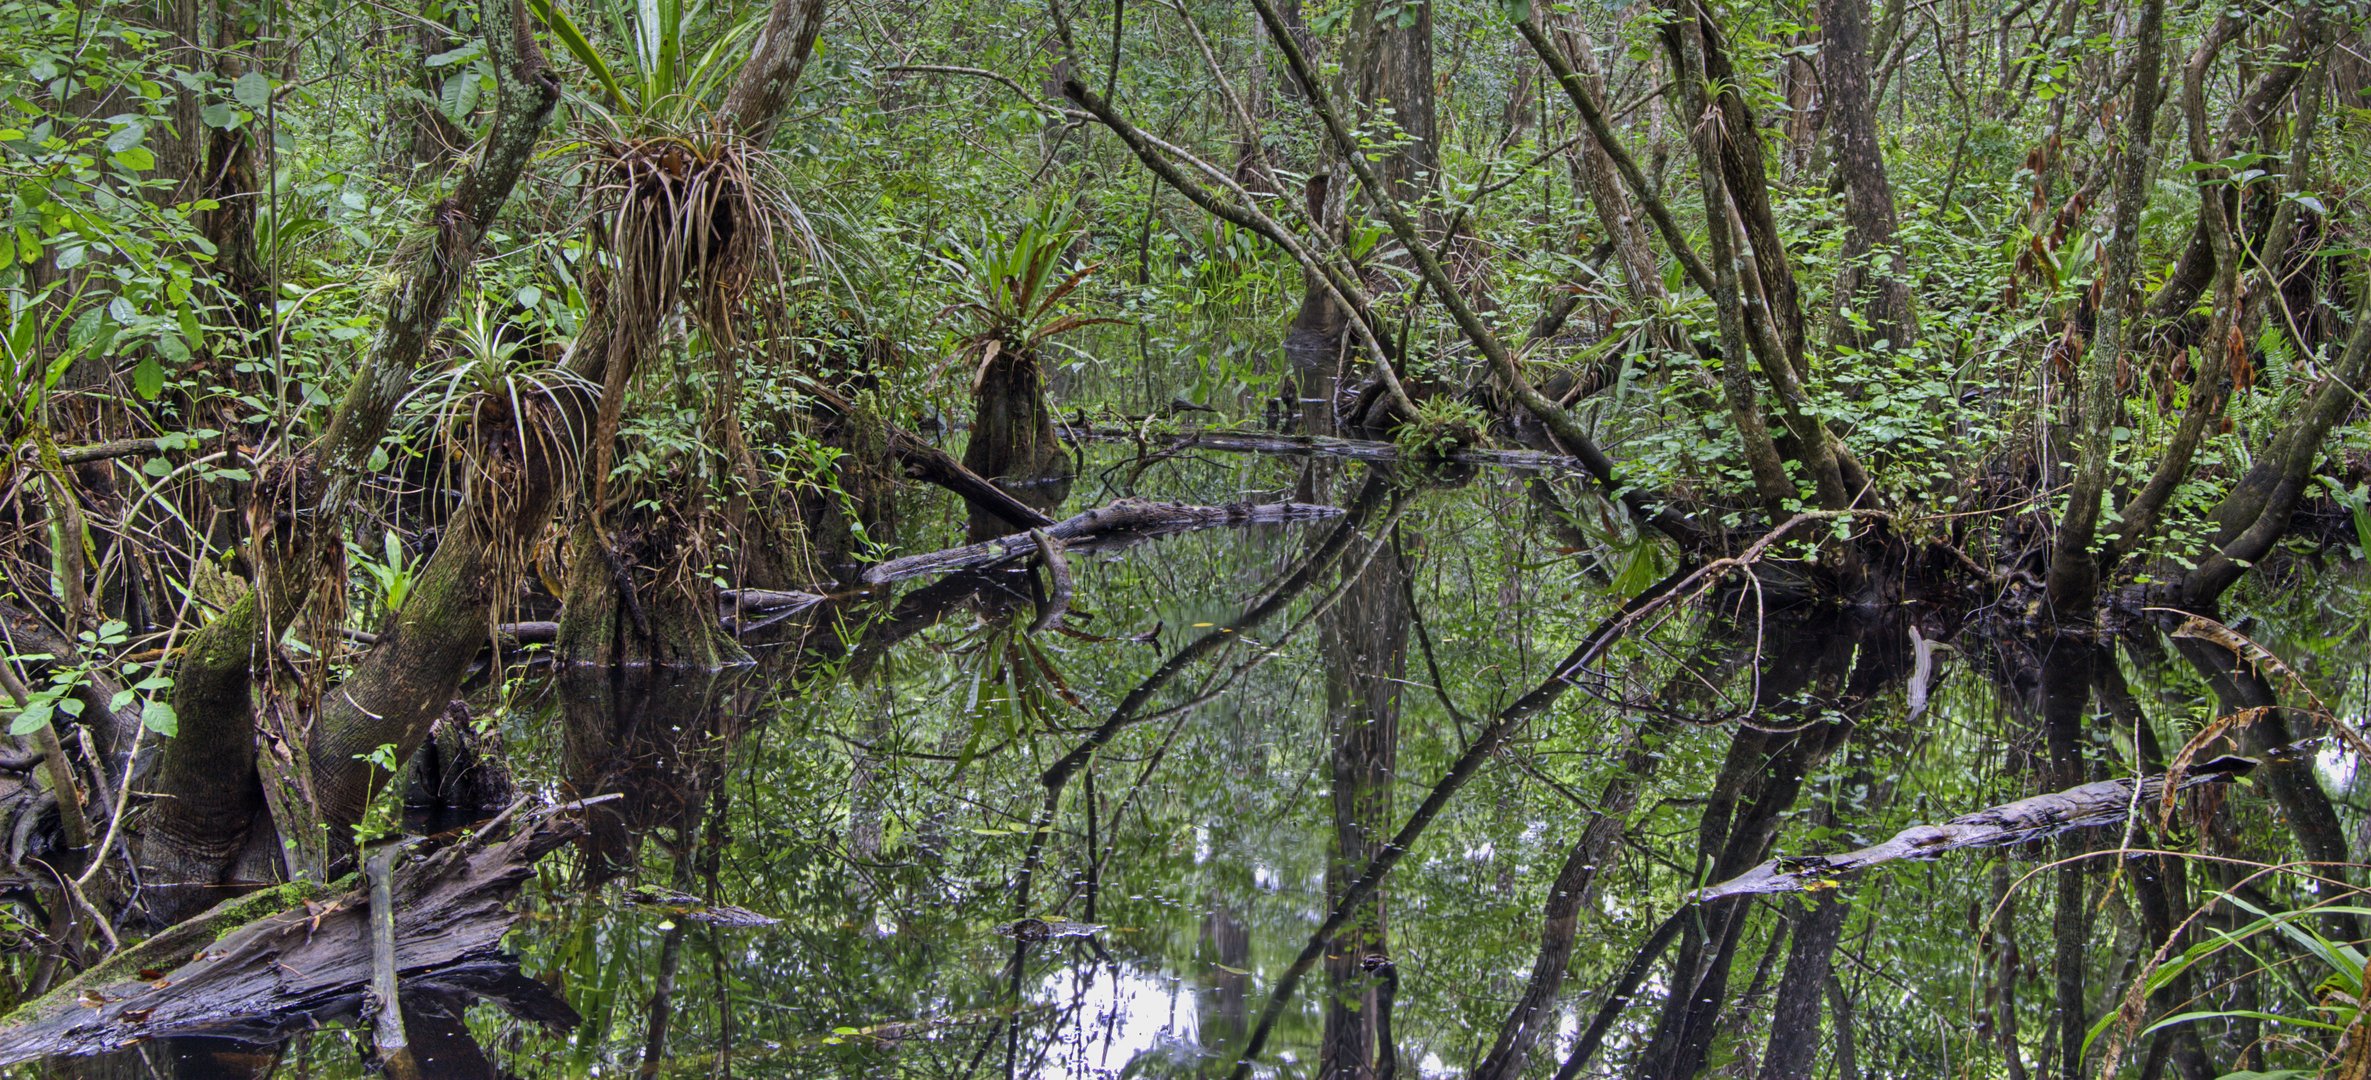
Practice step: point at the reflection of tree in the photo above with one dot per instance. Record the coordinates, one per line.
(1363, 645)
(1817, 680)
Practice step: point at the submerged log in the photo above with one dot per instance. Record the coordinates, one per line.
(1133, 516)
(262, 966)
(2105, 802)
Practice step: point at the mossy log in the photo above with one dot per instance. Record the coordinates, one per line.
(281, 959)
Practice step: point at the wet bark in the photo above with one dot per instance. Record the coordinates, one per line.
(261, 973)
(2248, 126)
(2252, 518)
(404, 682)
(1737, 281)
(1013, 442)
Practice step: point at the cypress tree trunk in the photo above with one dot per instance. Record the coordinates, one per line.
(1013, 441)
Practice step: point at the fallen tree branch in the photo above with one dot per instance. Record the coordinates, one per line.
(84, 455)
(1139, 516)
(2102, 803)
(1049, 551)
(925, 462)
(1261, 442)
(280, 960)
(387, 1037)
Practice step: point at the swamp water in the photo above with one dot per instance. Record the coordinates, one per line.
(923, 837)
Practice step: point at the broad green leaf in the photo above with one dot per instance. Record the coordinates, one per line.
(158, 716)
(252, 90)
(32, 718)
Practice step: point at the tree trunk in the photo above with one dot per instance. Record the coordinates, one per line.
(2074, 565)
(205, 779)
(1873, 277)
(1013, 441)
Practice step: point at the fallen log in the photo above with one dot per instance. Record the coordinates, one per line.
(2105, 802)
(769, 600)
(263, 966)
(1131, 516)
(1375, 450)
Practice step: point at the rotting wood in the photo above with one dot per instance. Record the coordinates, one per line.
(2100, 803)
(387, 1035)
(280, 961)
(1123, 516)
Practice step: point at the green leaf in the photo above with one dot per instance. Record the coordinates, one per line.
(219, 115)
(126, 137)
(580, 47)
(451, 57)
(136, 159)
(148, 379)
(159, 717)
(34, 717)
(252, 90)
(458, 96)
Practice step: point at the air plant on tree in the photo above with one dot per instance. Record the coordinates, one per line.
(506, 415)
(684, 215)
(1018, 288)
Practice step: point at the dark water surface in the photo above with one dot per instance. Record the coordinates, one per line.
(878, 784)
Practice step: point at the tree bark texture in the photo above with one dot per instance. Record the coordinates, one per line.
(1874, 278)
(205, 780)
(2074, 565)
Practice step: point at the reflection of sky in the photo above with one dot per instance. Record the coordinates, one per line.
(1115, 1021)
(1108, 1016)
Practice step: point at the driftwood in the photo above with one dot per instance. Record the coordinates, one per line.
(1134, 516)
(262, 966)
(2105, 802)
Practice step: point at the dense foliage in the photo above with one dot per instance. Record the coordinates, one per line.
(381, 381)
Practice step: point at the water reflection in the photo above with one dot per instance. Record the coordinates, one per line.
(1215, 751)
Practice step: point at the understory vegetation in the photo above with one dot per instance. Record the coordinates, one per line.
(366, 366)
